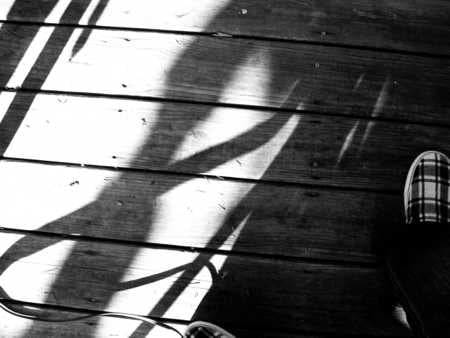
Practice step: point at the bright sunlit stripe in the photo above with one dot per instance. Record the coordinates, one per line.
(177, 310)
(46, 193)
(43, 275)
(347, 143)
(88, 12)
(36, 46)
(265, 157)
(168, 206)
(175, 14)
(256, 162)
(378, 108)
(29, 59)
(221, 125)
(6, 99)
(251, 77)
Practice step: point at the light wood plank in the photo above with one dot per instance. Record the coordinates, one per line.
(207, 69)
(200, 139)
(231, 291)
(399, 24)
(15, 327)
(197, 212)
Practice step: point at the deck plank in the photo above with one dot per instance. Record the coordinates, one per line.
(245, 292)
(199, 139)
(105, 327)
(14, 327)
(266, 219)
(234, 71)
(399, 24)
(197, 212)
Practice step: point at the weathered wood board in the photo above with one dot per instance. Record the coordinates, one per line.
(107, 327)
(197, 212)
(199, 139)
(233, 71)
(400, 24)
(228, 290)
(226, 175)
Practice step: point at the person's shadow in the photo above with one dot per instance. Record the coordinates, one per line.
(159, 147)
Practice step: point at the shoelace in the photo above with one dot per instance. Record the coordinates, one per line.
(4, 306)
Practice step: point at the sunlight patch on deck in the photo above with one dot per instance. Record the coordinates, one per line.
(139, 13)
(190, 205)
(56, 127)
(35, 195)
(260, 159)
(220, 126)
(31, 278)
(37, 45)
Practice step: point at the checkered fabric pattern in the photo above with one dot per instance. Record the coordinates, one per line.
(427, 194)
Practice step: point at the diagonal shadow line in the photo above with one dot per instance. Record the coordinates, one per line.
(198, 264)
(210, 161)
(159, 276)
(194, 267)
(16, 39)
(269, 127)
(39, 72)
(203, 260)
(278, 121)
(84, 36)
(225, 231)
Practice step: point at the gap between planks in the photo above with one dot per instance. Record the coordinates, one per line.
(250, 107)
(221, 35)
(394, 26)
(287, 295)
(304, 78)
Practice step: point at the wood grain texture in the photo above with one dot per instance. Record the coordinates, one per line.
(200, 139)
(13, 327)
(234, 71)
(197, 212)
(399, 24)
(107, 327)
(230, 291)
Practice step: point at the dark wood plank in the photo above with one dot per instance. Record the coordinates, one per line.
(199, 139)
(228, 290)
(399, 24)
(236, 71)
(197, 212)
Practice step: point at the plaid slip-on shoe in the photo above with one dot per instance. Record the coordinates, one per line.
(419, 262)
(201, 329)
(427, 193)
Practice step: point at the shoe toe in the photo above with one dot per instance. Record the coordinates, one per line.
(427, 195)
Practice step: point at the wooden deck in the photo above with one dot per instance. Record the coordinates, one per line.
(233, 161)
